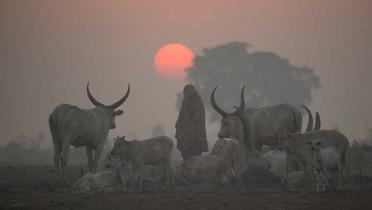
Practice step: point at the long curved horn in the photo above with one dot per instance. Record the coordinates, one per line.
(92, 99)
(310, 124)
(122, 100)
(248, 139)
(242, 101)
(317, 122)
(215, 106)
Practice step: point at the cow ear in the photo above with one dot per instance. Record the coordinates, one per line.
(118, 112)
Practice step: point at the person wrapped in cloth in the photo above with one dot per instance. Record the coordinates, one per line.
(190, 127)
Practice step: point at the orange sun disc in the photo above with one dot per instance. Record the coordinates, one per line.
(171, 60)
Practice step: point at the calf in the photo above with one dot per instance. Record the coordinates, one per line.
(333, 150)
(136, 154)
(317, 166)
(103, 181)
(224, 160)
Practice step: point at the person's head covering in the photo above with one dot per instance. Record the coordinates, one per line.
(189, 90)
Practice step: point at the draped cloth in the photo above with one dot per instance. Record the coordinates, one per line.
(190, 126)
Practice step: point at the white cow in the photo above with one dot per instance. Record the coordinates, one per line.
(317, 167)
(201, 169)
(102, 181)
(277, 161)
(224, 161)
(71, 125)
(333, 147)
(264, 122)
(320, 152)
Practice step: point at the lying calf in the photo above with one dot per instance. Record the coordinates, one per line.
(223, 161)
(201, 169)
(102, 181)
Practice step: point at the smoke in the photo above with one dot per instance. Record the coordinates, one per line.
(269, 78)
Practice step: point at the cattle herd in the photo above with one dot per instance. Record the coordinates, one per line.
(268, 138)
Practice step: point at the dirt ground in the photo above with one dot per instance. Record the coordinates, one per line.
(36, 187)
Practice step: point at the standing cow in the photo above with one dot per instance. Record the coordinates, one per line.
(265, 122)
(71, 125)
(332, 145)
(135, 154)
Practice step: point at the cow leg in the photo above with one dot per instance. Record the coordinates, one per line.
(97, 155)
(166, 175)
(309, 178)
(140, 178)
(133, 179)
(89, 151)
(169, 175)
(56, 145)
(57, 153)
(319, 181)
(340, 174)
(161, 165)
(64, 157)
(124, 177)
(228, 171)
(132, 176)
(237, 176)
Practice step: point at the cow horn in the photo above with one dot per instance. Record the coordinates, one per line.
(215, 106)
(242, 101)
(122, 100)
(310, 124)
(92, 99)
(248, 141)
(317, 122)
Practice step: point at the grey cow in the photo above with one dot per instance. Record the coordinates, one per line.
(71, 125)
(136, 154)
(265, 122)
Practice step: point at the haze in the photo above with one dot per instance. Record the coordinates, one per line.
(49, 50)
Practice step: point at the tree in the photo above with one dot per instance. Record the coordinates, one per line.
(269, 79)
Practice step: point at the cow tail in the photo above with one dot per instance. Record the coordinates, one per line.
(51, 126)
(345, 161)
(53, 129)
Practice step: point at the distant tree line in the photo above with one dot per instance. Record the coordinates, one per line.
(27, 151)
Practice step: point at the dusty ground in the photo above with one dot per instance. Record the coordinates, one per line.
(36, 188)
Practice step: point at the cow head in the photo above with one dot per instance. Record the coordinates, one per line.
(120, 147)
(231, 124)
(115, 159)
(314, 145)
(284, 143)
(109, 110)
(83, 185)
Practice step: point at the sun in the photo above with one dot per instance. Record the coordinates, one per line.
(171, 60)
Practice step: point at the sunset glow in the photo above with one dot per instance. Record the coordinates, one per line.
(172, 59)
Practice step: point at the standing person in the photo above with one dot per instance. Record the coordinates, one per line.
(190, 127)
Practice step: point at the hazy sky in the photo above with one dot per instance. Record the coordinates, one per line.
(49, 50)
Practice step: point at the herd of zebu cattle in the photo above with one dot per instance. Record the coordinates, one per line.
(268, 137)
